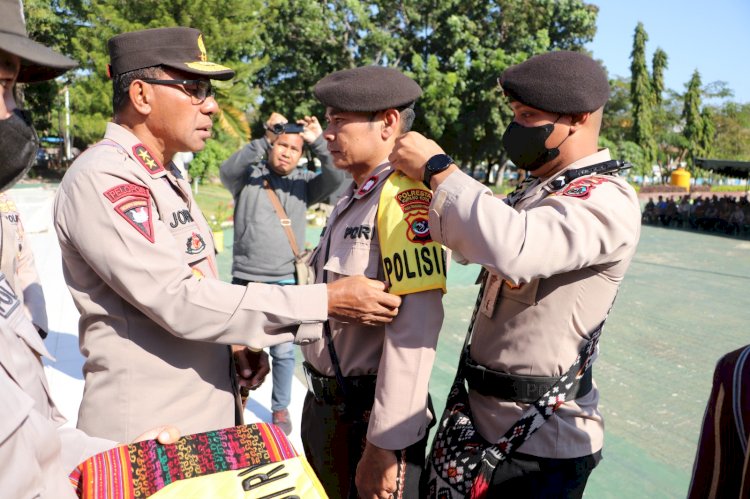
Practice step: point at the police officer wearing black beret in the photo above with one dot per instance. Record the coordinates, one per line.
(365, 419)
(553, 255)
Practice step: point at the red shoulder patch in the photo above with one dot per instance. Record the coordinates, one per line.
(137, 211)
(582, 188)
(146, 159)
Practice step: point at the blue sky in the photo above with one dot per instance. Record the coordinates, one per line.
(710, 36)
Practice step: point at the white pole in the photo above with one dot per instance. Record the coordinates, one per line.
(66, 136)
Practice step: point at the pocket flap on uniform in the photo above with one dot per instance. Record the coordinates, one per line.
(354, 259)
(523, 293)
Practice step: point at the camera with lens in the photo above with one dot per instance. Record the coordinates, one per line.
(280, 128)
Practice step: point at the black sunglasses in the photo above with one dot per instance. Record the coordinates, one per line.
(198, 90)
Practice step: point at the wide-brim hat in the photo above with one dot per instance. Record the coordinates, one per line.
(178, 48)
(38, 62)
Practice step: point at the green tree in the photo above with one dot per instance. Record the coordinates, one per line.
(45, 98)
(617, 121)
(705, 147)
(642, 97)
(280, 48)
(694, 126)
(205, 165)
(454, 49)
(732, 137)
(667, 126)
(472, 42)
(231, 27)
(658, 66)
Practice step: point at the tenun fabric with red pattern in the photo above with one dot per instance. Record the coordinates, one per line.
(243, 461)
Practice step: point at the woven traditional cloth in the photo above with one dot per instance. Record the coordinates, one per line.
(244, 461)
(456, 450)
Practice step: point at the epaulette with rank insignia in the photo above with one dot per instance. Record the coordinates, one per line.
(146, 159)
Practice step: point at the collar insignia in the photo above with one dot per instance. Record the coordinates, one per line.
(368, 185)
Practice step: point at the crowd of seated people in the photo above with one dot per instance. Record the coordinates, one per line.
(728, 215)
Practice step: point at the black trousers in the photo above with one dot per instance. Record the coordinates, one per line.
(334, 437)
(525, 476)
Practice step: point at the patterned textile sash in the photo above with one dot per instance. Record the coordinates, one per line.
(462, 462)
(457, 449)
(254, 460)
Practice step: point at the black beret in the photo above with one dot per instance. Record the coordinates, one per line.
(367, 89)
(177, 48)
(558, 82)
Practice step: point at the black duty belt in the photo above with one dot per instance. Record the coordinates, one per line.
(327, 389)
(524, 389)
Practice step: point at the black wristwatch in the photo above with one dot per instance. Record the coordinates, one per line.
(435, 164)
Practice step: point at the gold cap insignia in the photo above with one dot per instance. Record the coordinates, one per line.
(202, 48)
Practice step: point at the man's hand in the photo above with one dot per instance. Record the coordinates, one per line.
(411, 152)
(312, 130)
(361, 299)
(376, 473)
(274, 119)
(252, 367)
(167, 434)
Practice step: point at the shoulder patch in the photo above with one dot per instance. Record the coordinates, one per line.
(582, 188)
(146, 159)
(137, 211)
(118, 192)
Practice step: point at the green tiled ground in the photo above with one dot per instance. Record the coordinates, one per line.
(683, 304)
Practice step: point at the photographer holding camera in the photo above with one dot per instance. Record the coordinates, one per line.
(262, 243)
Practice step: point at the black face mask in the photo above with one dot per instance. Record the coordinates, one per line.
(18, 147)
(525, 145)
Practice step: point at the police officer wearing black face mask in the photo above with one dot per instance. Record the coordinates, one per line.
(554, 253)
(24, 61)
